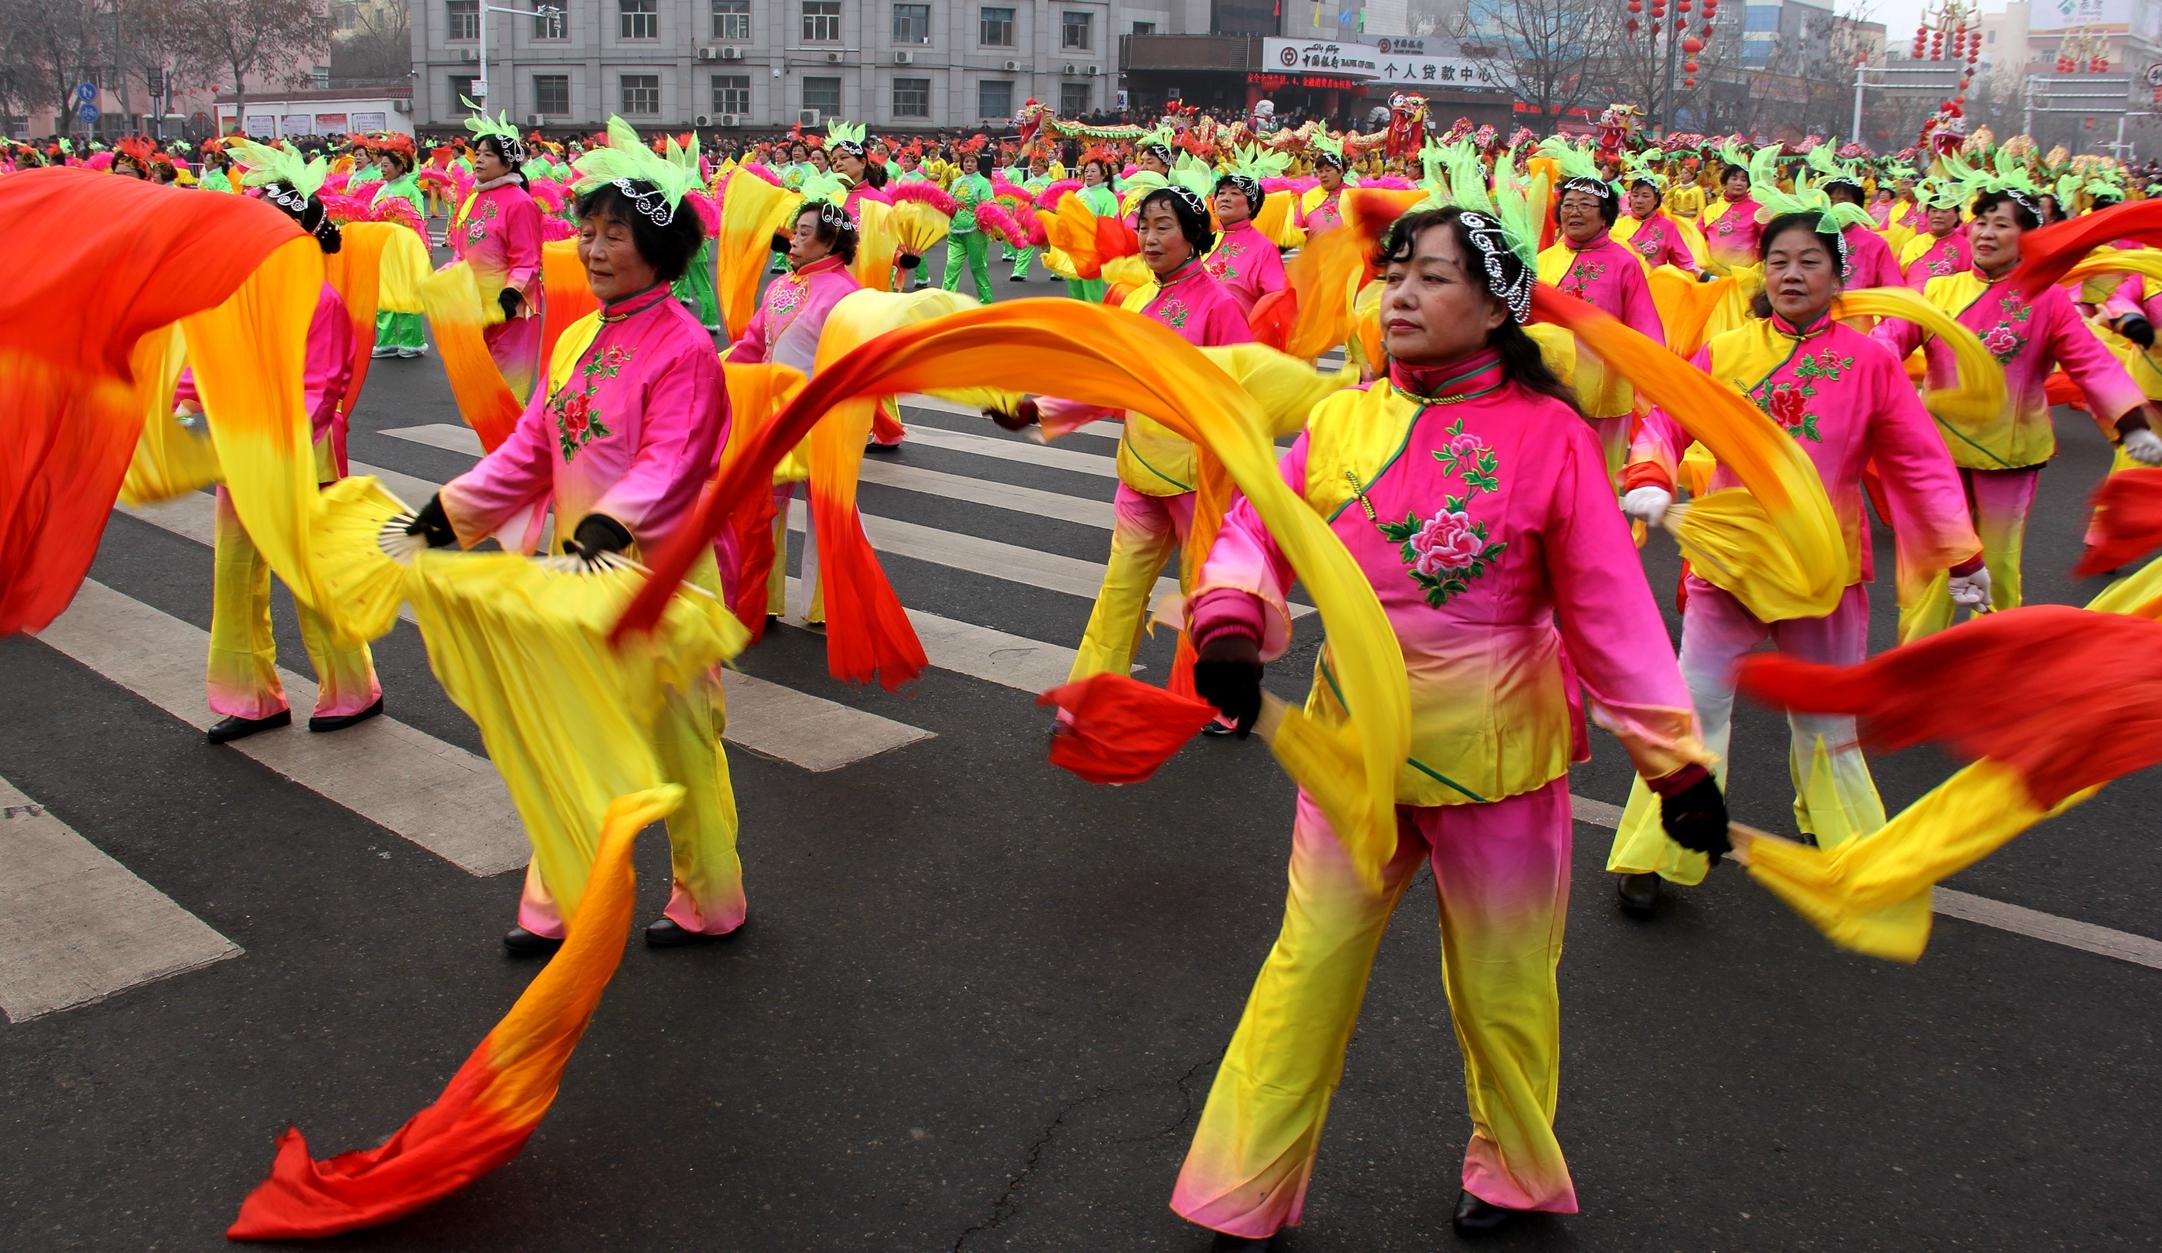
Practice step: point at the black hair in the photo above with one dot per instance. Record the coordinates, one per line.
(494, 143)
(1732, 170)
(1247, 187)
(1609, 204)
(668, 247)
(842, 242)
(1193, 221)
(1835, 247)
(874, 173)
(1846, 189)
(312, 216)
(1521, 363)
(1101, 164)
(2027, 218)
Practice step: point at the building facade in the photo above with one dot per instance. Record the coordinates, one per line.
(764, 65)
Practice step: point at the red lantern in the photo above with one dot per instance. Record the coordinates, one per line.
(1632, 26)
(1689, 67)
(1692, 45)
(1689, 82)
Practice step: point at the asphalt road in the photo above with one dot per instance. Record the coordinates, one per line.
(978, 1002)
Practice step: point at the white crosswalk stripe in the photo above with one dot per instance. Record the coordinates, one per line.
(77, 926)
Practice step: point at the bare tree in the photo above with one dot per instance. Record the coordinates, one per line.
(51, 45)
(1549, 48)
(284, 38)
(378, 45)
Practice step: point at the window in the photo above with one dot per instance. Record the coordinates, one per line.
(552, 93)
(1144, 28)
(821, 22)
(464, 18)
(912, 23)
(642, 94)
(732, 20)
(638, 19)
(556, 25)
(1761, 18)
(731, 93)
(994, 98)
(824, 95)
(1073, 99)
(912, 97)
(461, 88)
(1076, 31)
(994, 29)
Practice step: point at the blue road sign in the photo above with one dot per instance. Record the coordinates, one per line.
(85, 92)
(88, 113)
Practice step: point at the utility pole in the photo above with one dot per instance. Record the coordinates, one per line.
(1856, 129)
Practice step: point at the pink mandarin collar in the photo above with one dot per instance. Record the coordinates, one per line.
(1462, 379)
(636, 302)
(1820, 324)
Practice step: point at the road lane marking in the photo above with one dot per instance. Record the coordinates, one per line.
(77, 926)
(764, 717)
(433, 794)
(2140, 950)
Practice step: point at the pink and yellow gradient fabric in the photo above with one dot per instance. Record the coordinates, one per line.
(501, 241)
(1501, 877)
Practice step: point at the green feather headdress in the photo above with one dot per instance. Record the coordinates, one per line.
(1327, 147)
(1807, 197)
(1193, 181)
(1578, 171)
(1830, 169)
(287, 179)
(1636, 170)
(1938, 193)
(1250, 165)
(504, 133)
(1160, 139)
(655, 183)
(841, 135)
(1503, 220)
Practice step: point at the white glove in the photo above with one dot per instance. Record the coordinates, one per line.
(1647, 503)
(1971, 590)
(2143, 446)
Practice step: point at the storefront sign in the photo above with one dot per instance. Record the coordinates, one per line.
(1460, 72)
(1319, 56)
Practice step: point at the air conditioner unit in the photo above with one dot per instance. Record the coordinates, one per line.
(702, 121)
(807, 117)
(833, 58)
(471, 56)
(535, 119)
(1012, 66)
(729, 121)
(1071, 68)
(904, 58)
(731, 54)
(708, 54)
(402, 106)
(1095, 70)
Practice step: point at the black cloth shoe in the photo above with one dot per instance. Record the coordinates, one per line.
(666, 932)
(877, 449)
(1017, 278)
(226, 730)
(1639, 894)
(519, 942)
(339, 722)
(1225, 1242)
(1475, 1217)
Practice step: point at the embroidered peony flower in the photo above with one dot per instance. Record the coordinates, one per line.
(1466, 445)
(1786, 405)
(1446, 542)
(575, 415)
(2000, 340)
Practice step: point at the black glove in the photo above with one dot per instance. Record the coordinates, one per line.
(2137, 329)
(781, 241)
(1023, 416)
(432, 524)
(1227, 674)
(1705, 276)
(510, 300)
(1696, 818)
(597, 534)
(910, 261)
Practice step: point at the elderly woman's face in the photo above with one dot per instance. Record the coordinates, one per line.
(614, 266)
(487, 165)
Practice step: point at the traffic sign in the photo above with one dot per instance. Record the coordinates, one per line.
(85, 92)
(88, 113)
(2154, 74)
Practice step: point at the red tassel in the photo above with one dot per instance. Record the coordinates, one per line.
(2068, 698)
(2048, 254)
(1121, 730)
(2127, 521)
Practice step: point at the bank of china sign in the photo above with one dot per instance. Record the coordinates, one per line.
(1287, 56)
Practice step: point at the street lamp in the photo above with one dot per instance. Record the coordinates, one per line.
(539, 10)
